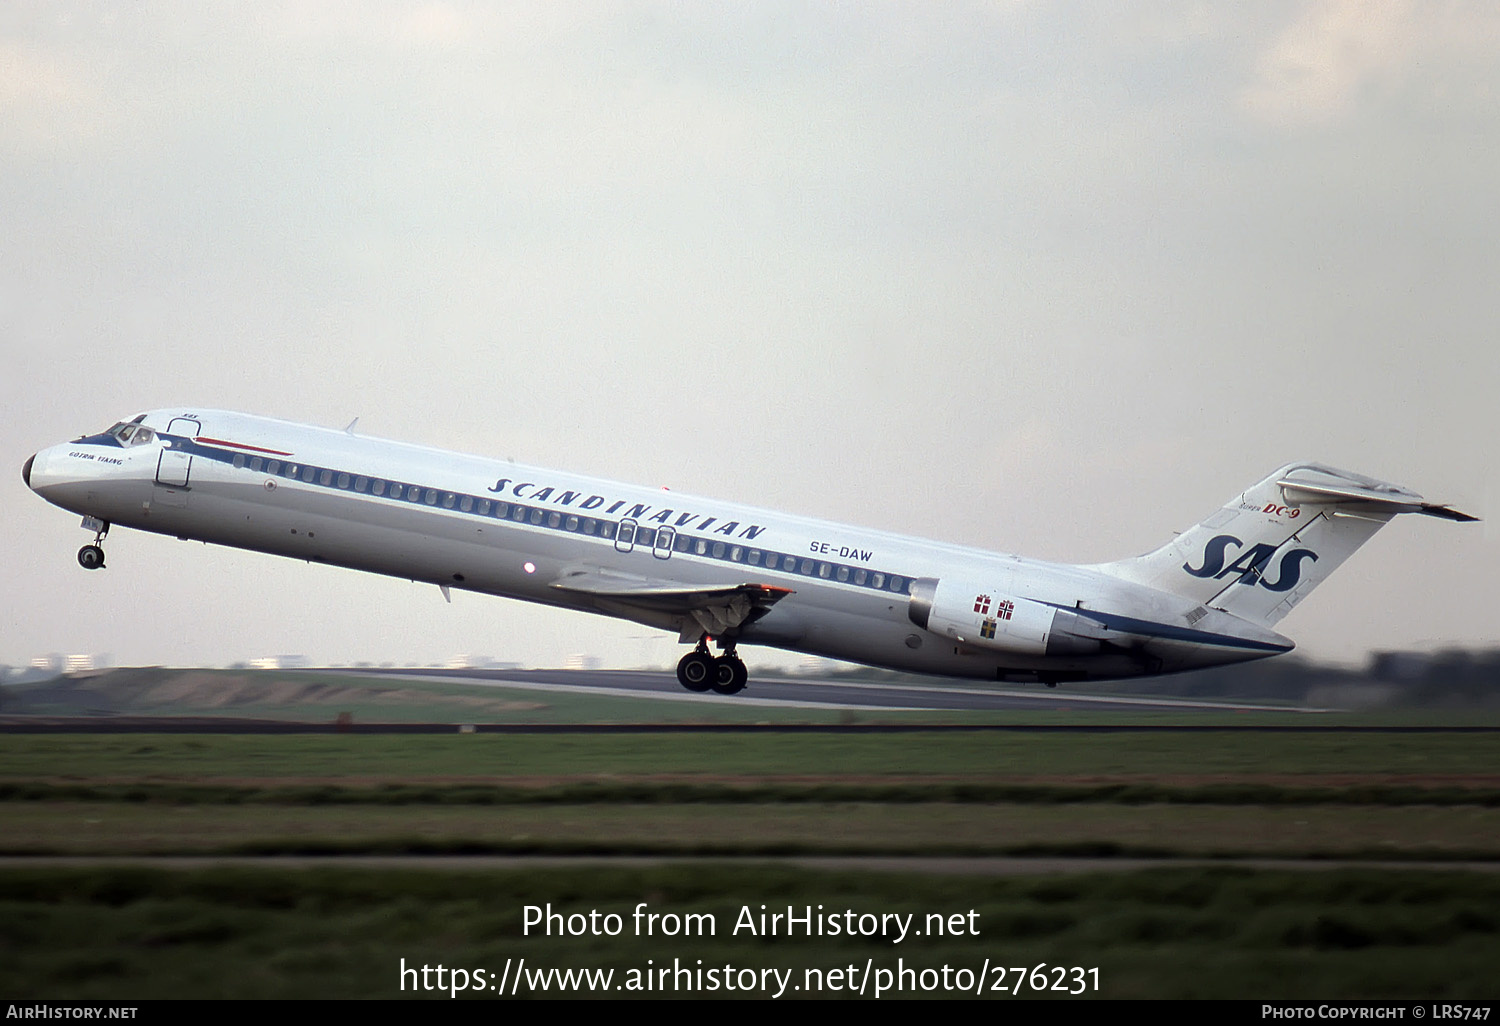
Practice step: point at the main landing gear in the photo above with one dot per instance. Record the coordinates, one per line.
(700, 671)
(91, 557)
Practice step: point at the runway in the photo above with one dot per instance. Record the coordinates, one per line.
(869, 698)
(821, 693)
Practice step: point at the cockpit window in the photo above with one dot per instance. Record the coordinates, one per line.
(134, 433)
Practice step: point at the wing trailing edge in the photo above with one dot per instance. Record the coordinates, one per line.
(714, 610)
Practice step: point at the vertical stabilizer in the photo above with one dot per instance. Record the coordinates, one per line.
(1261, 554)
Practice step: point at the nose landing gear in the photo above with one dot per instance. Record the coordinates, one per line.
(91, 557)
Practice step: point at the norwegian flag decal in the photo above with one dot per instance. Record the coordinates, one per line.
(1005, 609)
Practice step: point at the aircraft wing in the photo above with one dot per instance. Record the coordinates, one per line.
(713, 609)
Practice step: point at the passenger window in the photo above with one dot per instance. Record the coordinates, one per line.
(239, 461)
(308, 473)
(536, 516)
(325, 478)
(343, 481)
(700, 547)
(877, 580)
(753, 557)
(589, 525)
(449, 499)
(824, 569)
(255, 462)
(467, 503)
(736, 553)
(274, 467)
(432, 497)
(554, 519)
(378, 488)
(572, 524)
(859, 576)
(484, 507)
(806, 568)
(842, 575)
(896, 583)
(718, 550)
(607, 529)
(361, 483)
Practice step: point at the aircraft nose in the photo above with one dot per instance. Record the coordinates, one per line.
(26, 470)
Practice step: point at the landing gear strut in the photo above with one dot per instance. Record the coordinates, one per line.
(91, 557)
(700, 671)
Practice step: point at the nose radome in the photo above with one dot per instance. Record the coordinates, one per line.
(26, 471)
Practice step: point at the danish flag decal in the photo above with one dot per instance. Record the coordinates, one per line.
(1251, 564)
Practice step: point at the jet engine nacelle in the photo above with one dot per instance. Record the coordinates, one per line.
(989, 618)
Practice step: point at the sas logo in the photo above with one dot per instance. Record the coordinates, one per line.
(1251, 563)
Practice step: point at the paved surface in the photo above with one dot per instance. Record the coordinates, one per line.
(818, 693)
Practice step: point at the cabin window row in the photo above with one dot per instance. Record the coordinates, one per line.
(536, 516)
(646, 537)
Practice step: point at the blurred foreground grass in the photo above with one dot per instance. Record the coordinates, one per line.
(138, 933)
(1181, 931)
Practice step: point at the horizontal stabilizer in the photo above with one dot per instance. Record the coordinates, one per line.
(1318, 487)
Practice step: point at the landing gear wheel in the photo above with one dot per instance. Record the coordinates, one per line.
(91, 557)
(696, 671)
(729, 675)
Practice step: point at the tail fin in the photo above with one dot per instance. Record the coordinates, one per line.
(1268, 547)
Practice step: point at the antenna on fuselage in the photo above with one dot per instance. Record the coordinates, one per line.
(350, 429)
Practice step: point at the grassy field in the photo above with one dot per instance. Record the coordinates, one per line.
(927, 828)
(336, 931)
(1345, 759)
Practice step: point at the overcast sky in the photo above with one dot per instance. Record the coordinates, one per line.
(1047, 278)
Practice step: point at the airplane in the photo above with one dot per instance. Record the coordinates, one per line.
(720, 574)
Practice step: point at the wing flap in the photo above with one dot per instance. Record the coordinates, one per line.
(712, 609)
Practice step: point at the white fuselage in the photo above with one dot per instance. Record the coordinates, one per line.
(492, 526)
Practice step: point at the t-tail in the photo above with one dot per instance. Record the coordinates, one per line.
(1261, 554)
